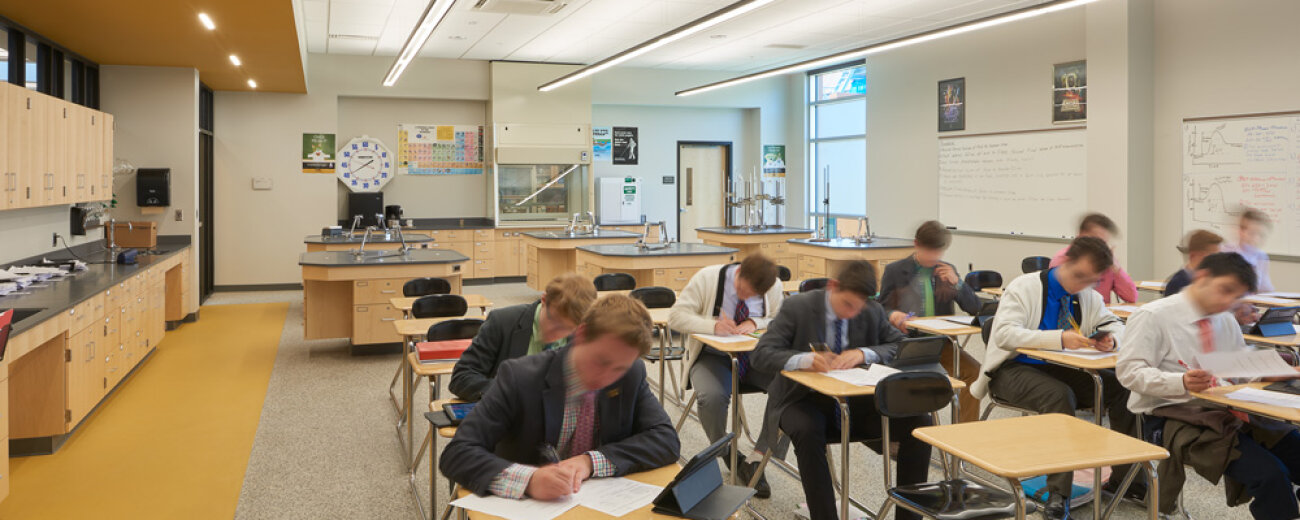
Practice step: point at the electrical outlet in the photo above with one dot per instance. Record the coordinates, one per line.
(55, 241)
(178, 215)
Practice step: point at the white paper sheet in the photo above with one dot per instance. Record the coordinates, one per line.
(510, 509)
(1152, 285)
(1287, 295)
(937, 324)
(1088, 353)
(739, 338)
(960, 320)
(1256, 395)
(1260, 299)
(616, 496)
(863, 377)
(1252, 364)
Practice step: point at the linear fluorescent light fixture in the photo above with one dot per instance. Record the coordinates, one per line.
(965, 27)
(207, 21)
(694, 27)
(235, 59)
(433, 15)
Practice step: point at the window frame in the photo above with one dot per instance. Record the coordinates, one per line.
(815, 180)
(50, 66)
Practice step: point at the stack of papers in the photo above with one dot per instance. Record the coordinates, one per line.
(1152, 285)
(7, 287)
(738, 338)
(1088, 353)
(1287, 295)
(1269, 397)
(960, 320)
(612, 496)
(39, 272)
(21, 280)
(937, 324)
(1270, 300)
(870, 376)
(1248, 365)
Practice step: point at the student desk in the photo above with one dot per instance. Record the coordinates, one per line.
(1217, 395)
(411, 331)
(433, 371)
(995, 291)
(824, 259)
(471, 300)
(660, 319)
(658, 477)
(431, 442)
(1028, 446)
(1120, 310)
(768, 240)
(841, 392)
(960, 336)
(790, 286)
(733, 350)
(666, 265)
(1154, 286)
(553, 253)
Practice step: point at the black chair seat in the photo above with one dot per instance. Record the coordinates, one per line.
(956, 500)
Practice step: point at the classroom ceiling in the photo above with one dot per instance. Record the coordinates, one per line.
(167, 33)
(585, 31)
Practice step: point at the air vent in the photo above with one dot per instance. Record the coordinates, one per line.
(786, 46)
(530, 7)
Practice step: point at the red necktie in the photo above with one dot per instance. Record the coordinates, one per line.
(584, 429)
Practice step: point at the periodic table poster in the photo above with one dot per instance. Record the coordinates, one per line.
(439, 149)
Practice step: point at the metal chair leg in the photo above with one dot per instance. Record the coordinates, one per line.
(686, 412)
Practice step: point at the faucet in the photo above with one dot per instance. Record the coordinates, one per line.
(591, 216)
(356, 221)
(573, 225)
(663, 235)
(865, 236)
(364, 238)
(110, 234)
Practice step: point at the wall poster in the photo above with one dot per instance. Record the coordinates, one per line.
(625, 144)
(439, 149)
(1070, 92)
(773, 161)
(318, 153)
(601, 146)
(952, 104)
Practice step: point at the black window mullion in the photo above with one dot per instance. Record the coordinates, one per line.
(17, 58)
(78, 82)
(92, 87)
(56, 74)
(44, 73)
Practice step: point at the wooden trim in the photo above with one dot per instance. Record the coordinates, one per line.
(1241, 116)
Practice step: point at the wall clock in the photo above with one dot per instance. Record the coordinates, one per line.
(365, 164)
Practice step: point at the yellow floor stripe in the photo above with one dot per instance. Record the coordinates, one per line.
(171, 442)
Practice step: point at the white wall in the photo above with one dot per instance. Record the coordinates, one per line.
(419, 195)
(1214, 59)
(27, 232)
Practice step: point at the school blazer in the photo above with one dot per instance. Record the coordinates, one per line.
(524, 408)
(504, 335)
(802, 321)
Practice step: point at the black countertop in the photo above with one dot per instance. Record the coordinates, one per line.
(740, 230)
(561, 235)
(57, 296)
(356, 239)
(440, 223)
(674, 249)
(413, 257)
(848, 243)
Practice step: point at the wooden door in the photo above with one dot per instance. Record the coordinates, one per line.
(20, 146)
(5, 170)
(701, 183)
(84, 383)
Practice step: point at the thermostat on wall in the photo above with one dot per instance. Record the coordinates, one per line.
(262, 183)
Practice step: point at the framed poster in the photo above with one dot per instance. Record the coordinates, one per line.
(601, 146)
(318, 153)
(952, 104)
(439, 149)
(625, 144)
(773, 160)
(1070, 92)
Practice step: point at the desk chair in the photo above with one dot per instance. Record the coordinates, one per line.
(994, 402)
(979, 280)
(614, 282)
(783, 273)
(657, 297)
(910, 394)
(812, 284)
(446, 331)
(425, 287)
(445, 433)
(1033, 264)
(431, 306)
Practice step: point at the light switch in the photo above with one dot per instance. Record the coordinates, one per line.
(262, 183)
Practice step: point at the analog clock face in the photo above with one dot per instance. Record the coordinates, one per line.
(365, 165)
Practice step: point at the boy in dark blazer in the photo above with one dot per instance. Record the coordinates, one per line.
(856, 331)
(550, 421)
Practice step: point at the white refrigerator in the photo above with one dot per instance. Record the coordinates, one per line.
(618, 200)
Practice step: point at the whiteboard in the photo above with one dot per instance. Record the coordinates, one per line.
(1022, 183)
(1229, 163)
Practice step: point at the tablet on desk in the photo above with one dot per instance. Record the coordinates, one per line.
(1276, 321)
(697, 492)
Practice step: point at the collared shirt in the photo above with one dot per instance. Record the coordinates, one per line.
(729, 297)
(1160, 338)
(1258, 259)
(834, 326)
(512, 482)
(925, 276)
(1112, 280)
(1178, 282)
(1051, 312)
(535, 343)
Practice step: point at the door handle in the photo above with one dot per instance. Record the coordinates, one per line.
(690, 186)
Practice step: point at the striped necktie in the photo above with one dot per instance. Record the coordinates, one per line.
(739, 316)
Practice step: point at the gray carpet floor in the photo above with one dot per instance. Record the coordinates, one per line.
(326, 446)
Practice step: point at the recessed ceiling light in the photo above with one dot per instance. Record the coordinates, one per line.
(458, 38)
(252, 84)
(718, 37)
(207, 21)
(235, 59)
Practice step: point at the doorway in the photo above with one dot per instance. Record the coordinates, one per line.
(205, 214)
(703, 171)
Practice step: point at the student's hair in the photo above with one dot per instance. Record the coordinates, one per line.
(1092, 248)
(759, 271)
(1257, 216)
(1098, 220)
(570, 295)
(1230, 264)
(933, 235)
(624, 317)
(857, 277)
(1200, 241)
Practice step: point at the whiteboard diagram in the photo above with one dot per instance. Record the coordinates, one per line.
(1230, 164)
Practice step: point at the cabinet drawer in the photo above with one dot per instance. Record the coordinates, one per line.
(812, 263)
(483, 234)
(376, 291)
(80, 315)
(774, 248)
(504, 234)
(481, 269)
(374, 324)
(485, 250)
(451, 235)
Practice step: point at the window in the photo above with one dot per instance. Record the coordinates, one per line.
(837, 146)
(29, 76)
(32, 61)
(4, 54)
